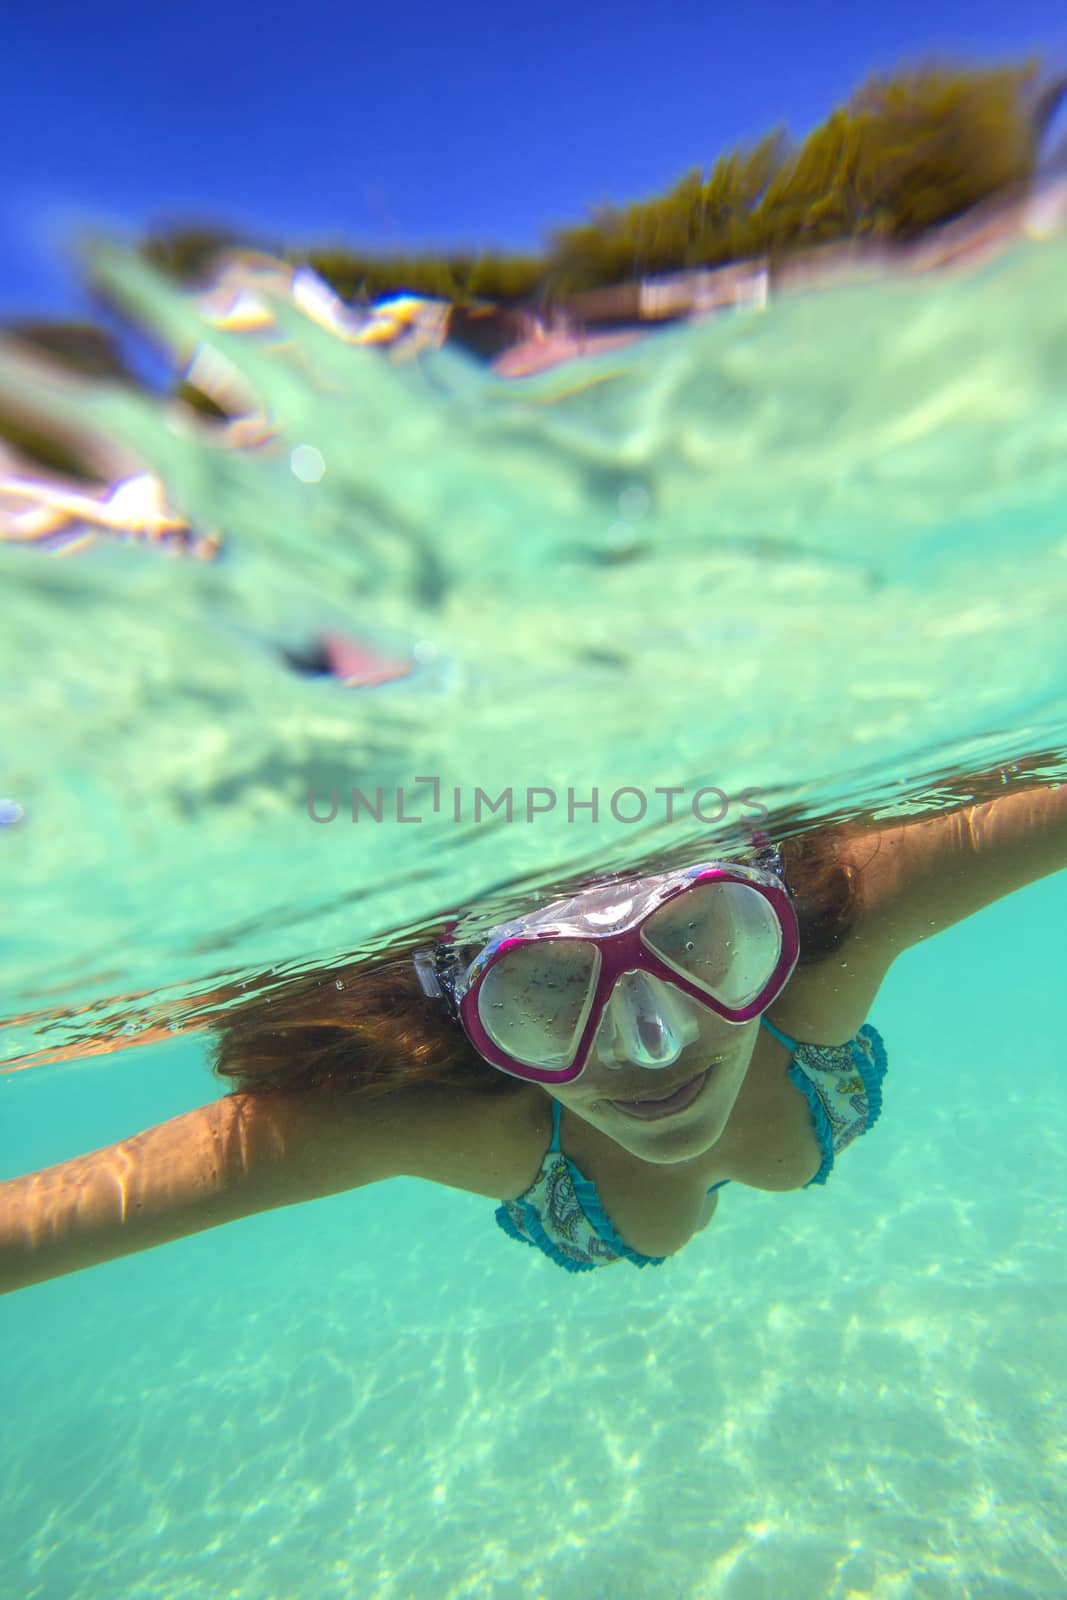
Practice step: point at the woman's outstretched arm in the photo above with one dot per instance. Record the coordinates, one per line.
(923, 876)
(916, 879)
(239, 1155)
(248, 1153)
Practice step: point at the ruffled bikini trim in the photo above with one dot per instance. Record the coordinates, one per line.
(537, 1238)
(598, 1220)
(872, 1072)
(819, 1121)
(589, 1200)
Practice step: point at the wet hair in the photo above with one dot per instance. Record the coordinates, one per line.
(366, 1027)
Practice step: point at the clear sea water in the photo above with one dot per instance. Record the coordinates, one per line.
(819, 551)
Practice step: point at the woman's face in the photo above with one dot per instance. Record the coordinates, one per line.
(671, 1114)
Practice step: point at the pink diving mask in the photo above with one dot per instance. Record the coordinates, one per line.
(534, 993)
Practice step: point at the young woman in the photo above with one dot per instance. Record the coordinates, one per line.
(600, 1066)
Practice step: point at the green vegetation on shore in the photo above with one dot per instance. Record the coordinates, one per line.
(907, 151)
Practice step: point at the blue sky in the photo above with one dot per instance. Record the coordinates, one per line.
(473, 125)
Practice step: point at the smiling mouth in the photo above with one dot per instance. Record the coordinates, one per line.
(650, 1109)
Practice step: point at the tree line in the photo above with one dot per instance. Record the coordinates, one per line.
(906, 152)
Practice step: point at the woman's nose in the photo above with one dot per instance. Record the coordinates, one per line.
(645, 1023)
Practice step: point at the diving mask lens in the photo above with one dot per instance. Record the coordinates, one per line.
(534, 1004)
(723, 937)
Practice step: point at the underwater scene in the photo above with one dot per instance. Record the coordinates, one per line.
(388, 631)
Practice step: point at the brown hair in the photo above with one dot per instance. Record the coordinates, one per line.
(366, 1027)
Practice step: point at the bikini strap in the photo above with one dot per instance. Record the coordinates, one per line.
(783, 1038)
(556, 1110)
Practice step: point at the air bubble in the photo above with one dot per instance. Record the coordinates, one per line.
(307, 463)
(633, 502)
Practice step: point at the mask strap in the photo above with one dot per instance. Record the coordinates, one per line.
(426, 972)
(436, 972)
(769, 857)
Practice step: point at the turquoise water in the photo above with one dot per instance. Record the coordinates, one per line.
(818, 551)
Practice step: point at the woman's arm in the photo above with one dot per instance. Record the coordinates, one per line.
(249, 1153)
(922, 877)
(239, 1155)
(914, 880)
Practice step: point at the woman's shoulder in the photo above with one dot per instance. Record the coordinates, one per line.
(288, 1147)
(490, 1144)
(828, 1002)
